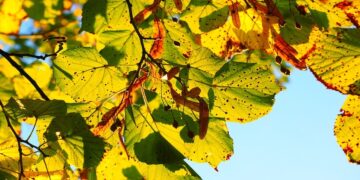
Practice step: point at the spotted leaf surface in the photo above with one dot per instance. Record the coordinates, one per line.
(86, 76)
(347, 128)
(334, 60)
(243, 92)
(217, 146)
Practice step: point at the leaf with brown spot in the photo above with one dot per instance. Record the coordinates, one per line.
(336, 60)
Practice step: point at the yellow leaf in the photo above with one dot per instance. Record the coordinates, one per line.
(339, 12)
(334, 60)
(7, 69)
(254, 33)
(11, 14)
(40, 72)
(347, 128)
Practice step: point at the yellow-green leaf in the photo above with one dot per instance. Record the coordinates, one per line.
(86, 76)
(243, 91)
(335, 60)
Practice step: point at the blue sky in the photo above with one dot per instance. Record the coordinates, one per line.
(295, 141)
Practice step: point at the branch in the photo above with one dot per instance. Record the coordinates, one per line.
(59, 40)
(142, 38)
(25, 74)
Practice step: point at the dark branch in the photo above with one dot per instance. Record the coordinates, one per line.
(59, 40)
(25, 74)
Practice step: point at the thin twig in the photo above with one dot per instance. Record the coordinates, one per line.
(59, 40)
(24, 73)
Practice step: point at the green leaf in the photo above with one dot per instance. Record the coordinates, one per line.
(243, 91)
(335, 60)
(72, 135)
(43, 9)
(5, 175)
(203, 15)
(214, 20)
(347, 128)
(120, 168)
(154, 149)
(6, 88)
(35, 108)
(109, 15)
(86, 76)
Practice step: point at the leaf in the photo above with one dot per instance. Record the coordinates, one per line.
(205, 15)
(254, 33)
(216, 19)
(214, 148)
(86, 76)
(121, 49)
(72, 135)
(154, 149)
(173, 7)
(38, 108)
(109, 15)
(7, 69)
(43, 9)
(340, 13)
(334, 60)
(40, 72)
(9, 157)
(11, 14)
(6, 88)
(243, 91)
(120, 168)
(347, 128)
(5, 132)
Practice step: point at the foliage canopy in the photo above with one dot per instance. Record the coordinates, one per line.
(132, 88)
